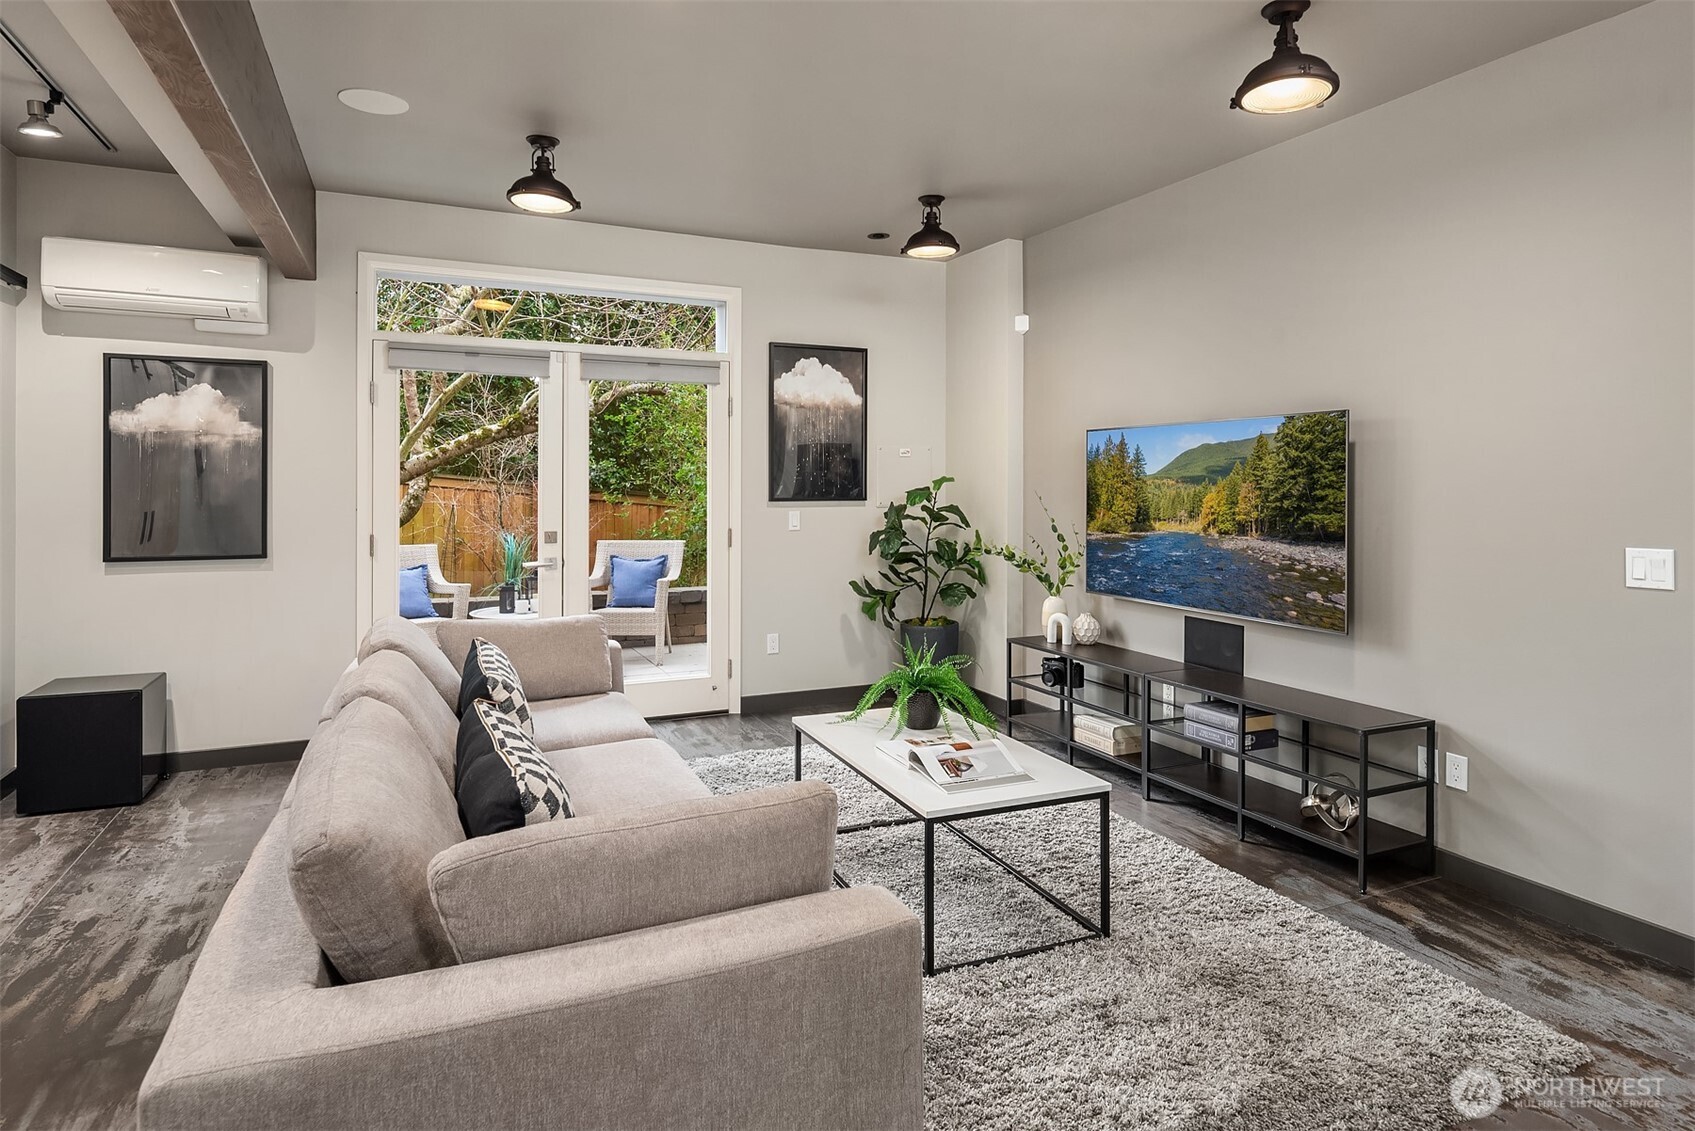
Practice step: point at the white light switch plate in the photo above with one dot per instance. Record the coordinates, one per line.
(1459, 772)
(794, 520)
(1650, 569)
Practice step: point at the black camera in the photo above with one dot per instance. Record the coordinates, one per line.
(1054, 669)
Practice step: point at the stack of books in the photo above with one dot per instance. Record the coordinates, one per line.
(1109, 736)
(1214, 722)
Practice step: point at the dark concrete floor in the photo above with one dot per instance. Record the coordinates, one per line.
(103, 913)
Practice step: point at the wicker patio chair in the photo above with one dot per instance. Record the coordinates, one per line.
(427, 554)
(652, 622)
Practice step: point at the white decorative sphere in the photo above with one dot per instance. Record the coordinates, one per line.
(1085, 629)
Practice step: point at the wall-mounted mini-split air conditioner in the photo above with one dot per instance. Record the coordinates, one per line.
(224, 293)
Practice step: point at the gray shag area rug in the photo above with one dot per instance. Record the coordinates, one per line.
(1216, 1004)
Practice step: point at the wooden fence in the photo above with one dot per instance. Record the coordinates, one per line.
(464, 518)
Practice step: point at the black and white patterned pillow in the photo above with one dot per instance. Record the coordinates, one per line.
(503, 781)
(490, 675)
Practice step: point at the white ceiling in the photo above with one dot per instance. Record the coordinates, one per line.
(33, 23)
(810, 123)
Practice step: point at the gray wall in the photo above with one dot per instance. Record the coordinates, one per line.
(253, 648)
(8, 480)
(985, 437)
(1494, 274)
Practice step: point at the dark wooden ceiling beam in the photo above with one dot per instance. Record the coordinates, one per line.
(211, 62)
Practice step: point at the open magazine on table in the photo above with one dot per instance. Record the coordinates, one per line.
(957, 764)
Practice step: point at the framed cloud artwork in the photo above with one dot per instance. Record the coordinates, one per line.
(817, 423)
(185, 458)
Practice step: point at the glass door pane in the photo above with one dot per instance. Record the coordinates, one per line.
(467, 525)
(650, 487)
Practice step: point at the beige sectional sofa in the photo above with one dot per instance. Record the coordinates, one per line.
(665, 959)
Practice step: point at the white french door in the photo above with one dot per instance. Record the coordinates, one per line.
(685, 667)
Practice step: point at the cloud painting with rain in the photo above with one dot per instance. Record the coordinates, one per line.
(817, 423)
(185, 459)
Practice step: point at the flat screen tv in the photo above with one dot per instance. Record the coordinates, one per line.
(1243, 517)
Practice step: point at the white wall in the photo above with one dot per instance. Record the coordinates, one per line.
(985, 440)
(252, 648)
(8, 480)
(1494, 274)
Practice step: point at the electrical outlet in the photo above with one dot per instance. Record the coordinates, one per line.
(1459, 770)
(770, 643)
(1167, 693)
(794, 520)
(1423, 762)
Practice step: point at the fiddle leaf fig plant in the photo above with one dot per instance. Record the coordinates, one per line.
(928, 551)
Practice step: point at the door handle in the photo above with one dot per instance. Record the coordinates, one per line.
(544, 563)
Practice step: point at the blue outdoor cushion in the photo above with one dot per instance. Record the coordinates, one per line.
(635, 582)
(415, 593)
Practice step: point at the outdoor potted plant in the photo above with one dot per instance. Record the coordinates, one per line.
(513, 553)
(928, 551)
(925, 689)
(1052, 575)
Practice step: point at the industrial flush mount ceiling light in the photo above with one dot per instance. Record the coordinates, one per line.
(930, 241)
(1291, 79)
(540, 191)
(38, 123)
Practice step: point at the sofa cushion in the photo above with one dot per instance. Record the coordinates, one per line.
(587, 720)
(396, 634)
(489, 675)
(620, 776)
(556, 657)
(391, 678)
(370, 811)
(615, 873)
(504, 782)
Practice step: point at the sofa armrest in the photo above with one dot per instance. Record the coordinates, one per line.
(564, 881)
(804, 1013)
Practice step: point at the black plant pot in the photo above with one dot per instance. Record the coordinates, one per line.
(923, 712)
(508, 598)
(943, 637)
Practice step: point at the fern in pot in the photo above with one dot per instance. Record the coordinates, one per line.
(925, 689)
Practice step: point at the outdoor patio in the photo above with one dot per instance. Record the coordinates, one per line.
(682, 661)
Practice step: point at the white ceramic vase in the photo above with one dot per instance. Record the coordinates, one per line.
(1051, 606)
(1086, 629)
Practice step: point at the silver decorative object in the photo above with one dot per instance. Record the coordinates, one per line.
(1086, 629)
(1337, 809)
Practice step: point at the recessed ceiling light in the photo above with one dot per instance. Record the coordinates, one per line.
(373, 101)
(878, 236)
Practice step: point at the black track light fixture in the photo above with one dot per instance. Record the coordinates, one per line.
(1291, 80)
(931, 241)
(539, 190)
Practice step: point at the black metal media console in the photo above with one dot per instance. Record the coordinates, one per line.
(1319, 736)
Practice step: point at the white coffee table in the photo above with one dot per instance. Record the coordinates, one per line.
(1051, 783)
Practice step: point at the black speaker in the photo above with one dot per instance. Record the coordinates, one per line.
(81, 742)
(1212, 644)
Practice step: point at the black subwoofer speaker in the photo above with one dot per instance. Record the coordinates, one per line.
(90, 742)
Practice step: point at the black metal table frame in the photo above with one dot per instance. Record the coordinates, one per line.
(1100, 930)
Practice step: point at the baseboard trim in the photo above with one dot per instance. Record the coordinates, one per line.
(846, 697)
(223, 757)
(779, 701)
(9, 782)
(1622, 930)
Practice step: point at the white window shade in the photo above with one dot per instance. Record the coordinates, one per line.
(500, 363)
(637, 369)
